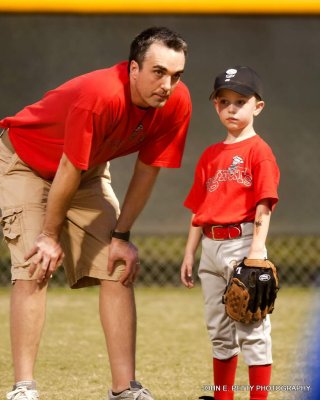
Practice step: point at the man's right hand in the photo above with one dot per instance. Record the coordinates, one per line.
(121, 250)
(47, 255)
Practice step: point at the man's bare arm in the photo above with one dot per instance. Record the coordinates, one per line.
(139, 190)
(47, 252)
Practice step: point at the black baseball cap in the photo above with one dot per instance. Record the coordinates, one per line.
(243, 80)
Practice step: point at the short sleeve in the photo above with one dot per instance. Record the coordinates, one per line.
(167, 150)
(197, 192)
(266, 181)
(169, 133)
(78, 137)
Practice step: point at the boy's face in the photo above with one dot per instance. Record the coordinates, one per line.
(153, 83)
(236, 111)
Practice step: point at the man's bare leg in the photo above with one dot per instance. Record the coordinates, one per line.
(27, 315)
(118, 318)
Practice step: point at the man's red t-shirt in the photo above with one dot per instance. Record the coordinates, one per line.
(230, 179)
(92, 120)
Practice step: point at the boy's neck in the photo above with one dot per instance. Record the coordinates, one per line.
(234, 137)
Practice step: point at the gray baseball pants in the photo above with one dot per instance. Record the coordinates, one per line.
(229, 337)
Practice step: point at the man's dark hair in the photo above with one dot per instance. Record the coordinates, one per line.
(145, 39)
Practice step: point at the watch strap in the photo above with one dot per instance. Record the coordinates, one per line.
(120, 235)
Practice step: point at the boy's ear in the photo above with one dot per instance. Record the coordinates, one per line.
(215, 104)
(259, 107)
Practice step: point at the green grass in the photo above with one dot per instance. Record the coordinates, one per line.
(173, 350)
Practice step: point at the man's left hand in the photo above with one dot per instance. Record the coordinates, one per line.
(121, 250)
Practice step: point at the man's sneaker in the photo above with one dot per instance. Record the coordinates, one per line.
(136, 392)
(23, 393)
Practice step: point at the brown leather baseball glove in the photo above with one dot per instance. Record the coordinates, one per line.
(251, 291)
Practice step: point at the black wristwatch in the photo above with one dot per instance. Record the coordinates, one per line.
(120, 235)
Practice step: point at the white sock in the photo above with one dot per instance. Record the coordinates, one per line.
(28, 384)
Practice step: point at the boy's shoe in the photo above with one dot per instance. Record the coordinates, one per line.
(23, 393)
(136, 392)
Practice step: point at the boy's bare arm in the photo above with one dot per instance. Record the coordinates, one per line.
(195, 233)
(260, 229)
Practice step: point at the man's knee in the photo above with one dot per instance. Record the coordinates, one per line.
(26, 288)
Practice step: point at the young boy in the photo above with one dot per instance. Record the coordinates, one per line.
(232, 197)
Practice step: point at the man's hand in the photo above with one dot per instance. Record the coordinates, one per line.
(47, 257)
(127, 252)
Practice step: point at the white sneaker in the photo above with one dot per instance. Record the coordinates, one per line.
(136, 392)
(23, 393)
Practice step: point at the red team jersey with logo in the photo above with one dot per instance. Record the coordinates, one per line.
(92, 120)
(230, 179)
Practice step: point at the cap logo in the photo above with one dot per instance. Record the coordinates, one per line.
(230, 73)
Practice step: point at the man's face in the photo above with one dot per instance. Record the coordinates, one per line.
(153, 83)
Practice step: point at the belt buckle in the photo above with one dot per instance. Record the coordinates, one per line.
(212, 232)
(227, 229)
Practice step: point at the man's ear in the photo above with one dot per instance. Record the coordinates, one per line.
(259, 107)
(134, 69)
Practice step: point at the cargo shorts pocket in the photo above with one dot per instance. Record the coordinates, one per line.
(12, 226)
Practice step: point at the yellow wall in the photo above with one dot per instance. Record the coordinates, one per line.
(165, 6)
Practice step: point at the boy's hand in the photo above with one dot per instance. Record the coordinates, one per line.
(186, 272)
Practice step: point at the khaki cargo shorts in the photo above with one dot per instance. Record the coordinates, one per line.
(86, 233)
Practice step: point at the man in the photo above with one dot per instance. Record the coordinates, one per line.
(58, 205)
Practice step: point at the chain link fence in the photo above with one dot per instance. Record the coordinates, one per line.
(297, 259)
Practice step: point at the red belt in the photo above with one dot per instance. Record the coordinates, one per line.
(222, 232)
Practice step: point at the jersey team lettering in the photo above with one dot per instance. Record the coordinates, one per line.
(240, 175)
